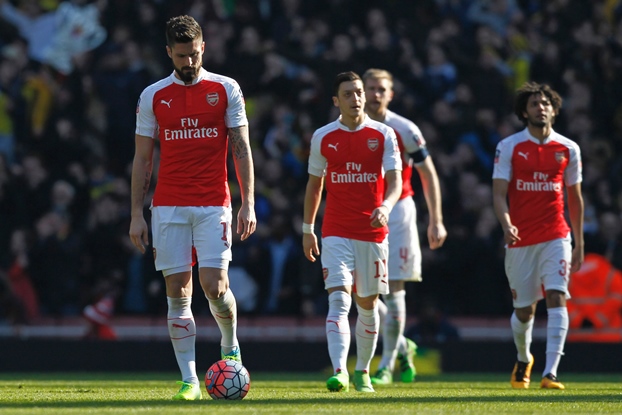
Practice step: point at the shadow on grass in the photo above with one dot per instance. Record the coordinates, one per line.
(350, 399)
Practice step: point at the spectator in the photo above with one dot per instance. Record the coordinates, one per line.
(55, 265)
(21, 298)
(56, 36)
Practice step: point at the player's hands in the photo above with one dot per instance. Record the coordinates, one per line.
(139, 233)
(380, 217)
(247, 222)
(309, 246)
(436, 235)
(578, 257)
(510, 236)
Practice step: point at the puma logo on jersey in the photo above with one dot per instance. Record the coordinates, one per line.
(525, 155)
(168, 104)
(333, 146)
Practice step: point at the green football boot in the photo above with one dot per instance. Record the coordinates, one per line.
(383, 376)
(339, 382)
(362, 381)
(405, 361)
(188, 392)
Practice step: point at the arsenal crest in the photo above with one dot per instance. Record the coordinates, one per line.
(560, 157)
(372, 144)
(212, 98)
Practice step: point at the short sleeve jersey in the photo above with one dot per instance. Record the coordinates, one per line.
(354, 164)
(409, 140)
(537, 174)
(191, 122)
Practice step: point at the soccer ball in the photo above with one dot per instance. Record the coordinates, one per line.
(227, 379)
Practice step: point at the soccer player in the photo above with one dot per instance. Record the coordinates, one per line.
(404, 250)
(531, 170)
(359, 160)
(193, 113)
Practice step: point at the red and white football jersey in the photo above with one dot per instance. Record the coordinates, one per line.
(537, 174)
(353, 163)
(191, 122)
(410, 140)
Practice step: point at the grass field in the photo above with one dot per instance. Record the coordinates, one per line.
(148, 393)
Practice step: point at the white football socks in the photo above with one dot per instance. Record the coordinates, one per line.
(225, 313)
(367, 327)
(523, 333)
(182, 330)
(338, 329)
(393, 325)
(556, 331)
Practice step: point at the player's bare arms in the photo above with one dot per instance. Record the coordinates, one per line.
(432, 192)
(313, 197)
(243, 161)
(141, 180)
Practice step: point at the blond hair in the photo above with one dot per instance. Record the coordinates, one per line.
(374, 73)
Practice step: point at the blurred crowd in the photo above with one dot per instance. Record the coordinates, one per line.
(70, 76)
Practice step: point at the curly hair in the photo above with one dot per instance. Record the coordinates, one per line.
(533, 88)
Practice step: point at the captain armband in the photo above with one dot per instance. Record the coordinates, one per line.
(420, 155)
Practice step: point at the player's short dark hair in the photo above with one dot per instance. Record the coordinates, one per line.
(344, 77)
(533, 88)
(182, 29)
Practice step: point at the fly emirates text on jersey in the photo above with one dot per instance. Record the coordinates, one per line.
(190, 129)
(353, 175)
(540, 183)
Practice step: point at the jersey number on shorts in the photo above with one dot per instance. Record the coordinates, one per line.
(377, 263)
(225, 234)
(404, 254)
(224, 231)
(564, 269)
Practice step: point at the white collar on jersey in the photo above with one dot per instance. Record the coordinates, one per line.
(358, 127)
(535, 140)
(200, 77)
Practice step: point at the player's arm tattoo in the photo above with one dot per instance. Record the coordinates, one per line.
(146, 183)
(239, 142)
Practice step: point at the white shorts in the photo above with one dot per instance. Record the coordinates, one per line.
(363, 265)
(176, 229)
(404, 249)
(530, 268)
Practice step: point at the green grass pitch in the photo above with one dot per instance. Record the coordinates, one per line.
(293, 393)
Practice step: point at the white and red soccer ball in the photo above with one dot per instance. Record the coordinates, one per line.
(227, 379)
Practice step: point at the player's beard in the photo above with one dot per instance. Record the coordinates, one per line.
(536, 122)
(187, 73)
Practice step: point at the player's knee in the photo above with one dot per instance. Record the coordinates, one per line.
(396, 287)
(524, 314)
(367, 303)
(178, 284)
(214, 282)
(215, 289)
(555, 298)
(214, 293)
